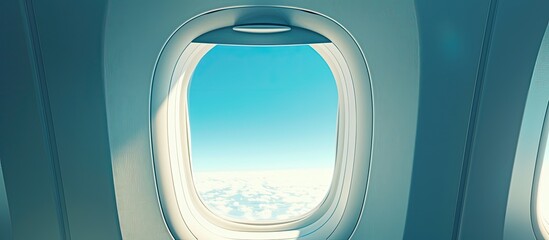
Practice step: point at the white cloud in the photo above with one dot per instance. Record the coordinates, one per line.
(263, 195)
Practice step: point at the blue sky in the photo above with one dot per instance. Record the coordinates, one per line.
(259, 108)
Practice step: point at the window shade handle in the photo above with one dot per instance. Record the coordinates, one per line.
(262, 28)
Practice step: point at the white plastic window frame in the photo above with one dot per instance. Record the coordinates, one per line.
(184, 213)
(521, 216)
(540, 195)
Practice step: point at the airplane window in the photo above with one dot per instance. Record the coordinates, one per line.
(261, 130)
(263, 125)
(543, 187)
(541, 184)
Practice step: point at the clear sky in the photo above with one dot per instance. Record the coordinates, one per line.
(259, 108)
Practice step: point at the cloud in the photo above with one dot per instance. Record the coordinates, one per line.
(263, 195)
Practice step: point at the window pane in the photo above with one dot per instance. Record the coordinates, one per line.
(263, 124)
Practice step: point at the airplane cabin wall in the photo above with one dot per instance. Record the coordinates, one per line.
(28, 179)
(451, 37)
(54, 143)
(511, 56)
(449, 79)
(477, 59)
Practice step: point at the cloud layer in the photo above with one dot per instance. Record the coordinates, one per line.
(263, 195)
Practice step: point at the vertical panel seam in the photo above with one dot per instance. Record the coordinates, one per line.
(479, 85)
(41, 91)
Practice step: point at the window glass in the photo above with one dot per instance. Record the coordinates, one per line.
(263, 125)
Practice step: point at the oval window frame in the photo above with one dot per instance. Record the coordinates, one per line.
(185, 216)
(541, 228)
